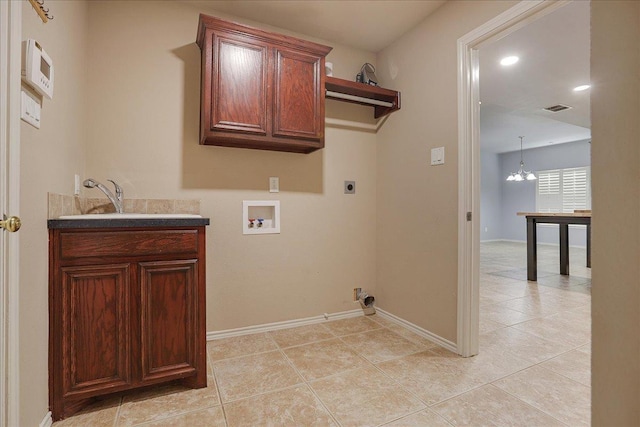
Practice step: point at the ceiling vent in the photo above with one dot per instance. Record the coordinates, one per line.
(558, 107)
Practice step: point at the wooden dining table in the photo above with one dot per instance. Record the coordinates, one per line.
(582, 217)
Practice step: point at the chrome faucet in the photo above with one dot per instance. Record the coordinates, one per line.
(116, 200)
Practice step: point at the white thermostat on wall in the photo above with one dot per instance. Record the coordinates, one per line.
(37, 68)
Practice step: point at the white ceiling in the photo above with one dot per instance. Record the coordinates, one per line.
(553, 51)
(368, 25)
(554, 58)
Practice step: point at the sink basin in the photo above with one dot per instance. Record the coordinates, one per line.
(129, 216)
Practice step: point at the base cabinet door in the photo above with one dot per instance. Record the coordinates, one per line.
(95, 318)
(168, 319)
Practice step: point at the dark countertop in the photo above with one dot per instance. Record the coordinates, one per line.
(127, 222)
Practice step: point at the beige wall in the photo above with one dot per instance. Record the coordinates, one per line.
(615, 114)
(143, 111)
(417, 203)
(137, 123)
(49, 158)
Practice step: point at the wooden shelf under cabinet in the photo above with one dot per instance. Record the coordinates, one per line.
(362, 90)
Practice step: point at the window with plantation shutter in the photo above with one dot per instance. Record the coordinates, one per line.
(549, 193)
(575, 189)
(563, 190)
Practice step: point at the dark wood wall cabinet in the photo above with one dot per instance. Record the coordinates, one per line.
(126, 308)
(259, 89)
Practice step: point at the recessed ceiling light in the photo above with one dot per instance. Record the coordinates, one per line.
(581, 88)
(509, 60)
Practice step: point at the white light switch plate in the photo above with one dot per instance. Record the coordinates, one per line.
(274, 184)
(30, 109)
(437, 156)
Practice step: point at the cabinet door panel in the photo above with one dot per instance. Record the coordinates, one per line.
(95, 323)
(168, 328)
(299, 100)
(240, 87)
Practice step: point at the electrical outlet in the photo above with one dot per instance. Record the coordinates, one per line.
(356, 293)
(349, 187)
(76, 185)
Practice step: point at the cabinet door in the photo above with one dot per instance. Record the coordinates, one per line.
(299, 95)
(95, 324)
(169, 331)
(239, 85)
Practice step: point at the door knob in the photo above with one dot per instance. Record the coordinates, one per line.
(11, 224)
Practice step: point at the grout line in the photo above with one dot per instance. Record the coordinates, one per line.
(307, 343)
(310, 388)
(262, 393)
(303, 382)
(181, 414)
(457, 394)
(367, 364)
(405, 389)
(419, 350)
(560, 373)
(427, 409)
(215, 382)
(244, 355)
(116, 420)
(530, 405)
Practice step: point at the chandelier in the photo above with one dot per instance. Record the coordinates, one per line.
(522, 174)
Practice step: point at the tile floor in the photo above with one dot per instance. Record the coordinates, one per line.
(533, 368)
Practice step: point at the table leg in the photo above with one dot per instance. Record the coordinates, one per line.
(532, 250)
(564, 249)
(589, 245)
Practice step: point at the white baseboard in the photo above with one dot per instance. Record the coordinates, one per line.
(47, 421)
(451, 346)
(524, 242)
(506, 240)
(266, 327)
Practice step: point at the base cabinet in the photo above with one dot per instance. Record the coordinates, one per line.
(126, 311)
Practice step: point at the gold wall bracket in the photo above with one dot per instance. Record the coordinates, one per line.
(41, 10)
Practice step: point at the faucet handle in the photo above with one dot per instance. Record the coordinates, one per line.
(118, 189)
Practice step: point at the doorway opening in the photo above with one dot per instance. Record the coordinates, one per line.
(492, 37)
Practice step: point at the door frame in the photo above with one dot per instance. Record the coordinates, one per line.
(10, 54)
(502, 25)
